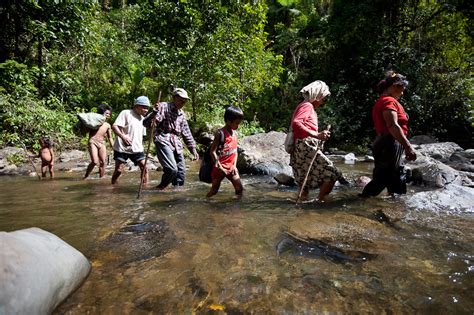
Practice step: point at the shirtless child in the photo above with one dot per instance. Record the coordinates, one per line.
(46, 154)
(97, 149)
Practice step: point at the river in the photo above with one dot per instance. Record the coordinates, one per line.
(221, 255)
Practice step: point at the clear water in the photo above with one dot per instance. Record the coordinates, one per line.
(224, 256)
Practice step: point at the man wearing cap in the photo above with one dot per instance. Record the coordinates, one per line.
(171, 123)
(130, 131)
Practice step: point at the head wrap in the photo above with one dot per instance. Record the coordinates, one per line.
(316, 90)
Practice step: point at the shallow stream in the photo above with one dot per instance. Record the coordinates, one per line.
(176, 252)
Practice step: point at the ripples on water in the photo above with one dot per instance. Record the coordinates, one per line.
(222, 253)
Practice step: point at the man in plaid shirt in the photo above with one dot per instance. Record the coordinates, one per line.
(171, 123)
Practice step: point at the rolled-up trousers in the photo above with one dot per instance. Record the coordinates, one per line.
(388, 169)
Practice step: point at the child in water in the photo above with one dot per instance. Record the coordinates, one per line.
(224, 155)
(46, 154)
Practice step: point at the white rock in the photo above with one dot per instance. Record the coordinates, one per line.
(38, 271)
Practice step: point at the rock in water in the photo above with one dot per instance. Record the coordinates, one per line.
(140, 241)
(284, 179)
(38, 271)
(263, 154)
(362, 181)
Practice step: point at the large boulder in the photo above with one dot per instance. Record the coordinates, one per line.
(38, 271)
(452, 198)
(422, 139)
(433, 173)
(462, 161)
(264, 154)
(7, 156)
(441, 151)
(73, 155)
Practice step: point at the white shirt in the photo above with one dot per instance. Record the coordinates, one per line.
(132, 126)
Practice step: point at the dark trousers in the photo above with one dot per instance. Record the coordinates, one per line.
(172, 162)
(388, 171)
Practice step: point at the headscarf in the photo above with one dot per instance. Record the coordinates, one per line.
(316, 90)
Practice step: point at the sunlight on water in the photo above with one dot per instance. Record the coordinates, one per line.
(176, 252)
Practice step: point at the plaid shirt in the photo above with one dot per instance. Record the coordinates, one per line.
(170, 124)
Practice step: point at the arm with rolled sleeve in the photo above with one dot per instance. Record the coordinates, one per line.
(158, 113)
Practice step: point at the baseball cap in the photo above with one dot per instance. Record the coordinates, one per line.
(181, 93)
(142, 101)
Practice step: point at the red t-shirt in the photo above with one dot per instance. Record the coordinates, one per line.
(304, 120)
(388, 103)
(228, 154)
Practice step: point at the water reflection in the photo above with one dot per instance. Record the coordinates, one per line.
(222, 253)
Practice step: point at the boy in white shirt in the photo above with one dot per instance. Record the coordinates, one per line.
(129, 144)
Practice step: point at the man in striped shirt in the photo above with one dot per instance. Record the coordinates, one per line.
(171, 124)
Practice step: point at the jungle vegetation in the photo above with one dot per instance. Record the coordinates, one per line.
(60, 57)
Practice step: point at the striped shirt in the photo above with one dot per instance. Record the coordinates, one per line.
(170, 124)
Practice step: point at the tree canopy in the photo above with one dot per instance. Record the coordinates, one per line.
(58, 58)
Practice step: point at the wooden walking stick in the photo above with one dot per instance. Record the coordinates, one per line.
(310, 166)
(153, 124)
(31, 162)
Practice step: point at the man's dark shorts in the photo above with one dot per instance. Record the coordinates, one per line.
(134, 157)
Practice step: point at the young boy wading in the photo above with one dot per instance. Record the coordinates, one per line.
(171, 123)
(130, 131)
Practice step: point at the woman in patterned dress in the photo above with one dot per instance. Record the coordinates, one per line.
(308, 142)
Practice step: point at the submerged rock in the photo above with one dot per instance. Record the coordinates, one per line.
(140, 241)
(284, 179)
(312, 248)
(344, 231)
(38, 271)
(388, 216)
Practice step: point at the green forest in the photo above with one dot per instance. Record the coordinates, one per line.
(61, 57)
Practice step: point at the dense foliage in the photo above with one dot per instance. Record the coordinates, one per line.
(58, 58)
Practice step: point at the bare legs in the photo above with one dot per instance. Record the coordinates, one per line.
(45, 167)
(119, 166)
(98, 157)
(234, 179)
(324, 189)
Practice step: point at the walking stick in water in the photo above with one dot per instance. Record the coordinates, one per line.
(31, 162)
(310, 166)
(153, 124)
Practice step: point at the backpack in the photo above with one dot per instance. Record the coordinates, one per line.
(206, 165)
(289, 142)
